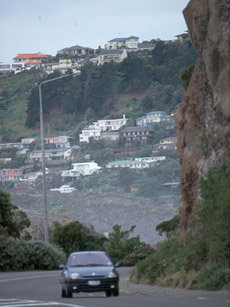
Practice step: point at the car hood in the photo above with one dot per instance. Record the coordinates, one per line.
(91, 270)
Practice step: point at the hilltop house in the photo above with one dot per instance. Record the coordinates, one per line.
(30, 59)
(89, 132)
(152, 118)
(113, 55)
(14, 67)
(10, 175)
(76, 50)
(124, 42)
(63, 66)
(130, 134)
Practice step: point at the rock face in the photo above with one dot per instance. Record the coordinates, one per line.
(203, 118)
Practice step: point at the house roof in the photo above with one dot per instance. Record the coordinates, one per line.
(122, 39)
(76, 47)
(33, 62)
(146, 46)
(111, 51)
(138, 128)
(30, 55)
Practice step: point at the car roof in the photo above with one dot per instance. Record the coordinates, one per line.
(88, 252)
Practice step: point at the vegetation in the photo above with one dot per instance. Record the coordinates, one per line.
(17, 251)
(201, 259)
(74, 236)
(95, 93)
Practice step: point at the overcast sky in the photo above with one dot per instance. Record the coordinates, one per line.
(28, 26)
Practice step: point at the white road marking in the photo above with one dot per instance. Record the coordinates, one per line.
(20, 303)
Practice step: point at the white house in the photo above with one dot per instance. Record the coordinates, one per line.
(137, 163)
(91, 131)
(130, 42)
(100, 126)
(113, 55)
(86, 168)
(152, 118)
(111, 124)
(64, 189)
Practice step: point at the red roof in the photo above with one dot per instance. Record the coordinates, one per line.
(30, 55)
(33, 62)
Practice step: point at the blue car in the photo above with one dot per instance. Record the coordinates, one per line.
(89, 271)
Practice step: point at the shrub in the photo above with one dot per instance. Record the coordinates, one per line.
(18, 255)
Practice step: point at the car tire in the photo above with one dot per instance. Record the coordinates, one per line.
(108, 293)
(69, 294)
(63, 293)
(116, 292)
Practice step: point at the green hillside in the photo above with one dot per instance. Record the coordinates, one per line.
(145, 81)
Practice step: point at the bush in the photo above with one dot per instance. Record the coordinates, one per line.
(75, 236)
(17, 255)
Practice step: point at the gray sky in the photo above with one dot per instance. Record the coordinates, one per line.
(28, 26)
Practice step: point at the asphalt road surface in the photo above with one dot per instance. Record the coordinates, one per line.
(41, 288)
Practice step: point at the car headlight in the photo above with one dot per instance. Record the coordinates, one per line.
(74, 276)
(112, 274)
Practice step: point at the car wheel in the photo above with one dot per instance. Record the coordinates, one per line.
(116, 292)
(108, 293)
(69, 294)
(63, 293)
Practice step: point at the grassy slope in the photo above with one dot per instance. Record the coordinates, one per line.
(13, 116)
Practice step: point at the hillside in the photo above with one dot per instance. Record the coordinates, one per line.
(145, 81)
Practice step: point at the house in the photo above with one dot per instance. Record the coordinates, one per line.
(113, 55)
(130, 134)
(152, 118)
(61, 141)
(29, 140)
(86, 168)
(63, 66)
(90, 132)
(167, 143)
(14, 145)
(145, 46)
(110, 124)
(51, 154)
(137, 163)
(124, 42)
(10, 175)
(102, 126)
(128, 163)
(14, 67)
(110, 135)
(30, 59)
(70, 173)
(76, 50)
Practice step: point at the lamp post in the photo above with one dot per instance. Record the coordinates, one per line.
(45, 210)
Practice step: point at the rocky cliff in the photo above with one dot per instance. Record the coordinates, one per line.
(203, 118)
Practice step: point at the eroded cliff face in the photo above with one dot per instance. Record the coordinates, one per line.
(203, 118)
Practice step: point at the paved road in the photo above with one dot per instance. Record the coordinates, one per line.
(41, 288)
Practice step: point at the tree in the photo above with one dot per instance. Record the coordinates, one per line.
(120, 245)
(12, 220)
(74, 236)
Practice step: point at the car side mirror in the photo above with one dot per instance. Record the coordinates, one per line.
(62, 266)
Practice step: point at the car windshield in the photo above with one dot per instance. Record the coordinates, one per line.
(89, 259)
